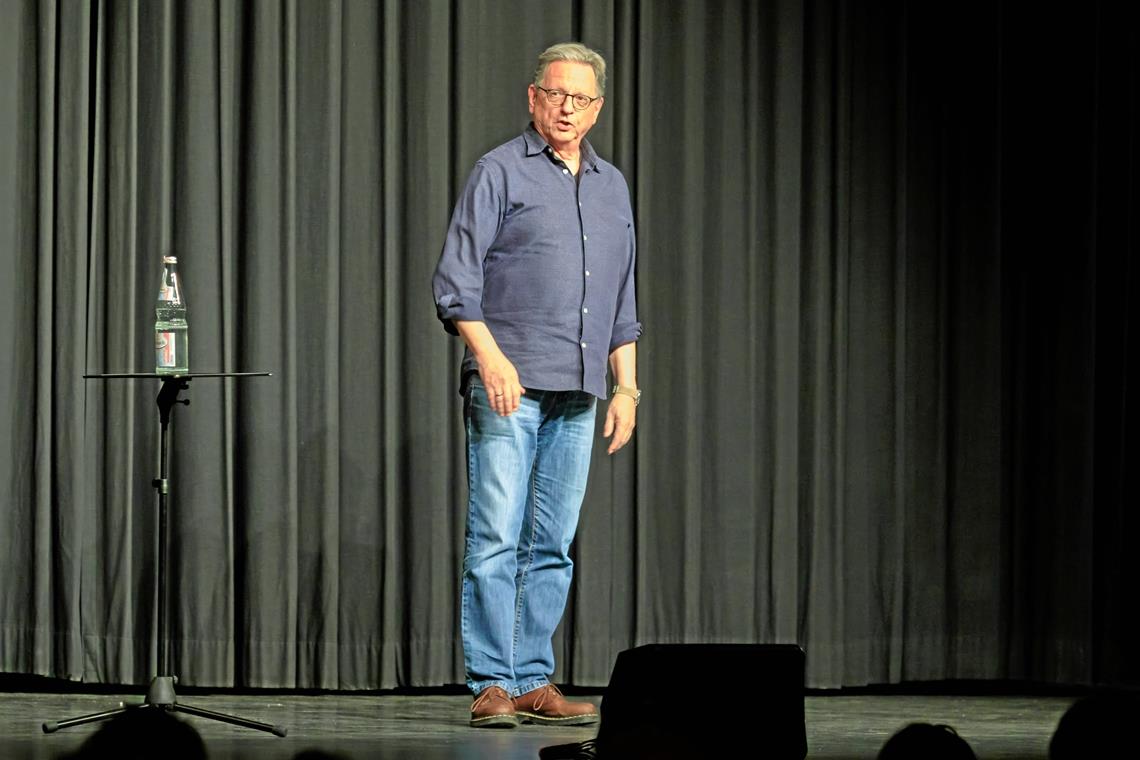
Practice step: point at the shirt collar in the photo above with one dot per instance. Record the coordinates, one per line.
(536, 145)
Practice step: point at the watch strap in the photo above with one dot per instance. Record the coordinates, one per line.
(625, 390)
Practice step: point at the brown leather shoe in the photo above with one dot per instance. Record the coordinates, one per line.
(547, 706)
(493, 708)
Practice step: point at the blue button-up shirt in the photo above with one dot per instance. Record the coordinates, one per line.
(546, 260)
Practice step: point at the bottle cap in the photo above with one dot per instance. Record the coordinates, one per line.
(169, 259)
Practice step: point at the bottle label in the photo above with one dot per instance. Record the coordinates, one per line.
(165, 355)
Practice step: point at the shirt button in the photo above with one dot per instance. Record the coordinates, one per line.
(587, 272)
(583, 344)
(585, 310)
(565, 171)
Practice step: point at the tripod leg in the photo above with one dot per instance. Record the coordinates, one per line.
(51, 726)
(234, 719)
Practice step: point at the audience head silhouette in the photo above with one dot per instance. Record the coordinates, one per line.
(926, 741)
(1099, 725)
(144, 733)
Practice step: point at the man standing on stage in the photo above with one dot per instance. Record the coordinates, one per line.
(536, 275)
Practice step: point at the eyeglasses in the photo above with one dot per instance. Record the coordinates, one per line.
(558, 97)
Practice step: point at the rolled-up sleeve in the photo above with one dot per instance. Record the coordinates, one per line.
(457, 284)
(626, 327)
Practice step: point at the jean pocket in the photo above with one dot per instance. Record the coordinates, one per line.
(470, 383)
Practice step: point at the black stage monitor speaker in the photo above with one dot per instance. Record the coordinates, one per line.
(705, 701)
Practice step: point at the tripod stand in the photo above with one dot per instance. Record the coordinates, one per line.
(160, 694)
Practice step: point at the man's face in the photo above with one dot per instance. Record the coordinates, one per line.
(562, 126)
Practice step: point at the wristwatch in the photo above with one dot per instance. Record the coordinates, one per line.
(633, 393)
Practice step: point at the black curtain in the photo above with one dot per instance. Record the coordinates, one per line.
(885, 269)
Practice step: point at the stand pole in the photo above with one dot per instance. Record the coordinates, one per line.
(160, 694)
(167, 398)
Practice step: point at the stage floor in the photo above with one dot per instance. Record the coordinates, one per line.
(434, 727)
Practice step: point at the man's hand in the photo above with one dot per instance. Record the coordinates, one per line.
(501, 381)
(621, 417)
(499, 376)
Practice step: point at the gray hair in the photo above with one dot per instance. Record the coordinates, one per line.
(574, 52)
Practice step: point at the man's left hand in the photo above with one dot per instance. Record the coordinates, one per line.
(620, 421)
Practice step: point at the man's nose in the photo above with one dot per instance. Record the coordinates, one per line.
(568, 105)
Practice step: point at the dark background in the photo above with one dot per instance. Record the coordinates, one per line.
(885, 270)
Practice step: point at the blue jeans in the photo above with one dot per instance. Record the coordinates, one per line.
(526, 475)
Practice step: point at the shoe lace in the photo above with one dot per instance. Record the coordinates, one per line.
(493, 692)
(547, 691)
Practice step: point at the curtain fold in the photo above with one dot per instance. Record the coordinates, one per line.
(885, 269)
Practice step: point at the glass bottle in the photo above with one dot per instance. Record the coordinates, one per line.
(171, 332)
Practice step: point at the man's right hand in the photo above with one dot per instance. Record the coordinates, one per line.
(501, 381)
(499, 376)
